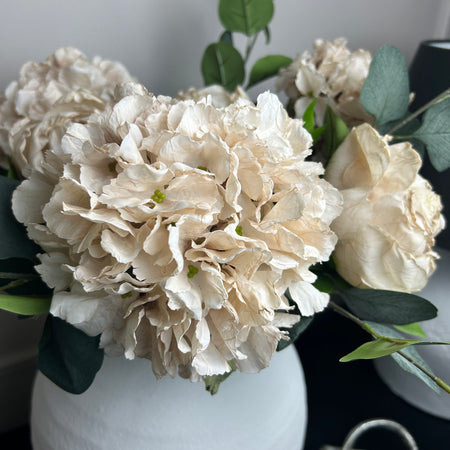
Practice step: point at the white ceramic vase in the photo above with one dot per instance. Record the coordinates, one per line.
(127, 408)
(408, 386)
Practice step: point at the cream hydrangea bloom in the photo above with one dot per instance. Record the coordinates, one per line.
(391, 215)
(219, 96)
(177, 226)
(48, 96)
(332, 72)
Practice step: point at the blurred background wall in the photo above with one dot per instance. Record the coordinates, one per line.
(161, 42)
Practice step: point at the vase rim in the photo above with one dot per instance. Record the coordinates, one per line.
(442, 44)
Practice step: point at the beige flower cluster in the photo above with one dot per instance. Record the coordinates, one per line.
(177, 226)
(48, 96)
(331, 72)
(391, 215)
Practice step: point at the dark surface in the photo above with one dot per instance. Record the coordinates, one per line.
(340, 395)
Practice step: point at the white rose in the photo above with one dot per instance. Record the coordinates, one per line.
(48, 96)
(391, 215)
(177, 227)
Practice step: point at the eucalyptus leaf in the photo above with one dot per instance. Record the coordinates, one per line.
(412, 353)
(68, 356)
(435, 134)
(385, 93)
(374, 349)
(389, 307)
(227, 36)
(335, 132)
(223, 64)
(14, 242)
(295, 331)
(245, 16)
(25, 305)
(412, 328)
(267, 34)
(267, 67)
(298, 328)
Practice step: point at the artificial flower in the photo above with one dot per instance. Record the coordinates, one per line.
(391, 214)
(331, 74)
(37, 109)
(177, 226)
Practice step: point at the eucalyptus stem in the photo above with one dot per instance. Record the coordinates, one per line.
(437, 380)
(250, 44)
(14, 284)
(366, 327)
(435, 100)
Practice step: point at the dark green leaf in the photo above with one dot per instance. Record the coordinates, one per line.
(227, 36)
(412, 353)
(435, 134)
(223, 64)
(213, 382)
(267, 34)
(374, 349)
(335, 132)
(267, 67)
(389, 307)
(295, 331)
(245, 16)
(14, 242)
(69, 357)
(324, 284)
(316, 133)
(26, 306)
(385, 93)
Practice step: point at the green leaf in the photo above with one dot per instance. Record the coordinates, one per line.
(227, 36)
(14, 242)
(26, 306)
(316, 133)
(388, 306)
(308, 117)
(412, 353)
(374, 349)
(385, 93)
(223, 64)
(298, 328)
(267, 67)
(69, 357)
(435, 134)
(213, 382)
(335, 132)
(245, 16)
(412, 328)
(324, 284)
(294, 332)
(267, 34)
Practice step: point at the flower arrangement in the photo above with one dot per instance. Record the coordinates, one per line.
(204, 232)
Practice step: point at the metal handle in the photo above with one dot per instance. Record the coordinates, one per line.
(361, 428)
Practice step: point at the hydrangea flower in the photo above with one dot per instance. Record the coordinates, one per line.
(177, 226)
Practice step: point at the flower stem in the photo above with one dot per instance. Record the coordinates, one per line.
(366, 327)
(250, 44)
(435, 100)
